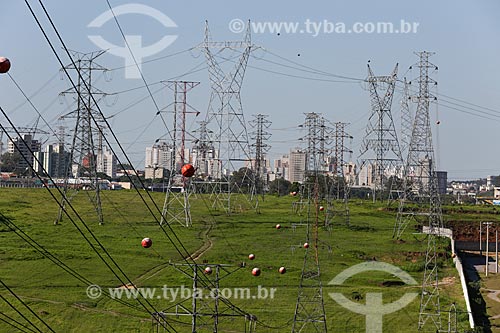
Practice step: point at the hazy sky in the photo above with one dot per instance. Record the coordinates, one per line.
(464, 35)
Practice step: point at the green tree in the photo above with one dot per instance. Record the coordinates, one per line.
(280, 186)
(242, 179)
(10, 162)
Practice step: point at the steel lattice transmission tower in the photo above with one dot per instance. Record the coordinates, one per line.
(339, 192)
(318, 140)
(203, 151)
(206, 309)
(225, 117)
(309, 315)
(176, 206)
(260, 147)
(406, 119)
(380, 149)
(87, 143)
(421, 189)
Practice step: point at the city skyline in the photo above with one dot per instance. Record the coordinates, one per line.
(289, 75)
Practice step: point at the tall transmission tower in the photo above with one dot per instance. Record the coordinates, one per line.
(309, 315)
(380, 149)
(315, 126)
(421, 188)
(260, 147)
(86, 146)
(338, 203)
(176, 206)
(225, 117)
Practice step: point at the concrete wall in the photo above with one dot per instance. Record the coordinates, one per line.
(463, 281)
(444, 232)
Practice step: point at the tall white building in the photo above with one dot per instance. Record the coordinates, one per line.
(52, 161)
(365, 177)
(297, 165)
(281, 167)
(208, 165)
(106, 162)
(159, 156)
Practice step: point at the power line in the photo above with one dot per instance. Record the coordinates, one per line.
(54, 259)
(315, 70)
(26, 306)
(24, 329)
(82, 233)
(177, 243)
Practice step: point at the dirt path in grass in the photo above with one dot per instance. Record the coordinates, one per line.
(195, 255)
(207, 244)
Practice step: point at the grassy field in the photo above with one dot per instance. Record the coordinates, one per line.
(60, 299)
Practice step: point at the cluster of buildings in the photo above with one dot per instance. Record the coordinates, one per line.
(54, 159)
(291, 167)
(488, 189)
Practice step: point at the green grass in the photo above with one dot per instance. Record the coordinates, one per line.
(60, 299)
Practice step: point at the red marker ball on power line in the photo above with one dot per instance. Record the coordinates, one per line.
(187, 170)
(4, 65)
(146, 242)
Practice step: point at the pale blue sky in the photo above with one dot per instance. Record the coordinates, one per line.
(464, 35)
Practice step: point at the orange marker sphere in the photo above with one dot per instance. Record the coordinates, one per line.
(187, 170)
(4, 65)
(146, 242)
(256, 271)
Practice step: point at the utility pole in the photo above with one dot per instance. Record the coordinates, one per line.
(486, 268)
(480, 238)
(176, 206)
(260, 147)
(225, 117)
(496, 249)
(86, 148)
(380, 147)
